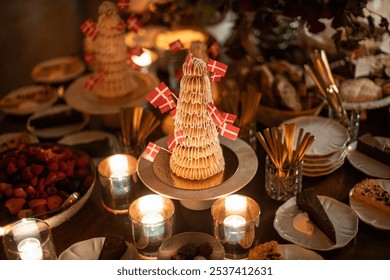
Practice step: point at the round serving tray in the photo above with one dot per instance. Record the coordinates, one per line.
(240, 167)
(86, 101)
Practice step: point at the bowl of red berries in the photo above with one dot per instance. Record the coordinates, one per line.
(47, 181)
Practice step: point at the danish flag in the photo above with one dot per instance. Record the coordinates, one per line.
(93, 80)
(175, 139)
(215, 114)
(214, 49)
(135, 51)
(89, 29)
(133, 24)
(176, 46)
(123, 4)
(216, 67)
(151, 152)
(189, 59)
(228, 118)
(89, 57)
(228, 131)
(215, 77)
(173, 112)
(121, 26)
(168, 105)
(159, 95)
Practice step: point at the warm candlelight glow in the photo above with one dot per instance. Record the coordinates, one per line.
(235, 203)
(145, 59)
(30, 249)
(152, 218)
(119, 166)
(235, 221)
(150, 204)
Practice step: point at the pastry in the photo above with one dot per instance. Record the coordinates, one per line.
(67, 117)
(114, 247)
(370, 146)
(287, 93)
(200, 155)
(266, 251)
(308, 202)
(369, 192)
(360, 90)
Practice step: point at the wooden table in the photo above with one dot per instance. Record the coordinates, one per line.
(370, 243)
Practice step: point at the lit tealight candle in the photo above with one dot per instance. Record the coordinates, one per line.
(119, 166)
(145, 59)
(235, 221)
(152, 218)
(30, 249)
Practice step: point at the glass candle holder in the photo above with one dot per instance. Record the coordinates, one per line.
(235, 219)
(282, 184)
(152, 222)
(29, 239)
(118, 179)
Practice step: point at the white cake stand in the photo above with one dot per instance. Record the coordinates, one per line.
(241, 157)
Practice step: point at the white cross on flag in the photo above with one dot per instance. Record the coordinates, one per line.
(151, 152)
(176, 46)
(89, 29)
(215, 77)
(214, 49)
(215, 114)
(93, 80)
(133, 24)
(159, 95)
(228, 131)
(168, 105)
(228, 118)
(175, 139)
(216, 67)
(123, 4)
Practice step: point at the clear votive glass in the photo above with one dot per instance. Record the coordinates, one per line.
(235, 219)
(282, 184)
(118, 179)
(29, 239)
(152, 222)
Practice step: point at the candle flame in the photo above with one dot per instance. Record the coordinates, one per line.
(145, 59)
(150, 204)
(118, 166)
(235, 203)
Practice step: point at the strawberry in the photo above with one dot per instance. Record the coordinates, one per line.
(70, 170)
(4, 186)
(30, 190)
(9, 192)
(41, 184)
(34, 203)
(52, 165)
(51, 189)
(51, 178)
(26, 173)
(53, 202)
(15, 204)
(20, 192)
(81, 173)
(11, 168)
(62, 165)
(41, 209)
(34, 181)
(37, 169)
(20, 163)
(83, 161)
(25, 213)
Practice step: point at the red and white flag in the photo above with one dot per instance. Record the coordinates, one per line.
(215, 114)
(133, 65)
(89, 57)
(121, 26)
(123, 4)
(134, 51)
(133, 24)
(190, 59)
(89, 29)
(215, 78)
(151, 151)
(159, 95)
(173, 112)
(168, 105)
(216, 67)
(93, 80)
(175, 139)
(176, 46)
(228, 131)
(228, 118)
(214, 49)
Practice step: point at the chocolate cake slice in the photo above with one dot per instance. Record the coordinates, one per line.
(308, 201)
(369, 145)
(67, 117)
(114, 247)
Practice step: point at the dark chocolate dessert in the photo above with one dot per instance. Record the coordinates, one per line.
(308, 201)
(114, 247)
(68, 117)
(370, 146)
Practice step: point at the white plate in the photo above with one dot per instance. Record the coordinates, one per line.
(368, 214)
(90, 249)
(12, 139)
(58, 131)
(330, 136)
(328, 159)
(321, 165)
(295, 252)
(321, 172)
(29, 106)
(366, 105)
(343, 218)
(368, 165)
(58, 70)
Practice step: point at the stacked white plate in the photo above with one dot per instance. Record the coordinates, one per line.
(329, 149)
